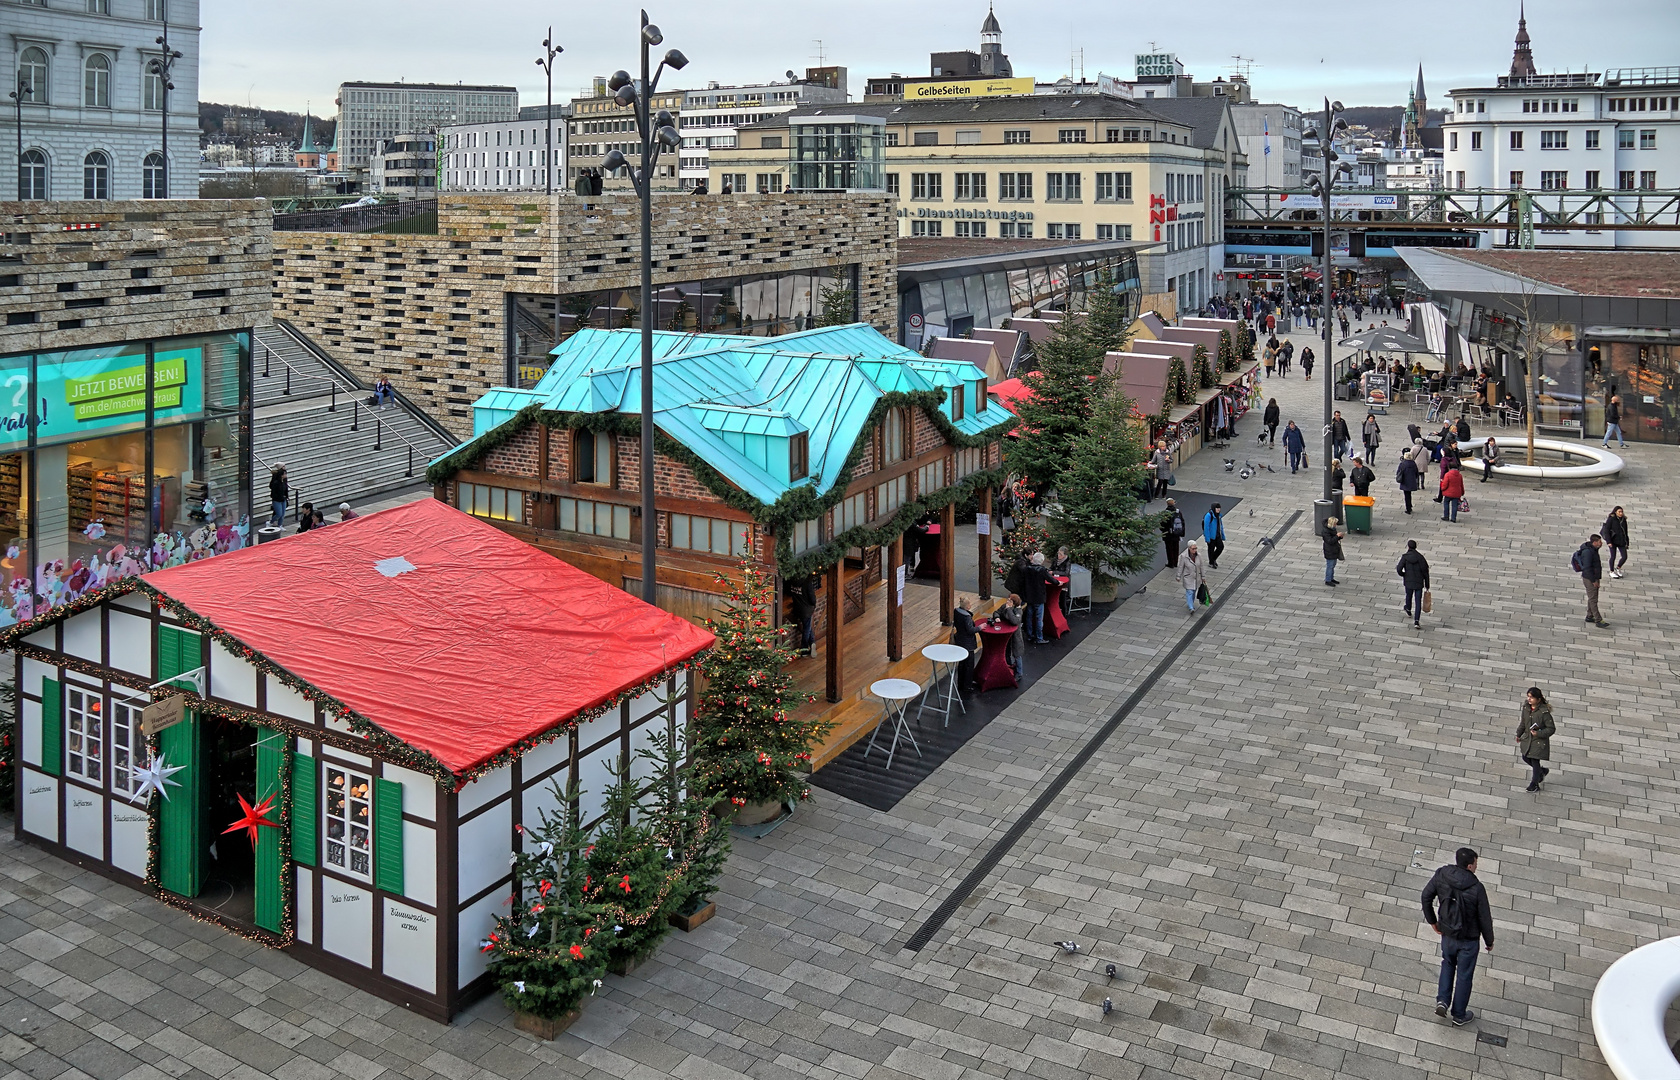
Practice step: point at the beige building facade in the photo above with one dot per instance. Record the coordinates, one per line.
(1045, 167)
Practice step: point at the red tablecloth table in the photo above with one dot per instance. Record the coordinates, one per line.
(993, 671)
(1055, 623)
(929, 565)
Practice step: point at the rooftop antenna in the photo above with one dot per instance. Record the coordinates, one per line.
(822, 57)
(1242, 67)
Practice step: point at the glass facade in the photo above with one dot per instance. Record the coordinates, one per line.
(121, 459)
(991, 296)
(845, 155)
(1646, 375)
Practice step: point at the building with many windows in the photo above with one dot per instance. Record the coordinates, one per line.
(92, 112)
(1054, 167)
(510, 155)
(1270, 135)
(1575, 142)
(712, 117)
(600, 125)
(369, 113)
(406, 166)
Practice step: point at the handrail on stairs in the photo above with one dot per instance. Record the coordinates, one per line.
(315, 350)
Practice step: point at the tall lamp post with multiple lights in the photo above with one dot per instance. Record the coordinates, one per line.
(547, 64)
(24, 89)
(658, 133)
(1321, 184)
(162, 66)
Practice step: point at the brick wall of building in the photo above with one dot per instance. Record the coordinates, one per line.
(927, 436)
(517, 456)
(429, 311)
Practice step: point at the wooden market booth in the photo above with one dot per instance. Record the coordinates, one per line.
(394, 696)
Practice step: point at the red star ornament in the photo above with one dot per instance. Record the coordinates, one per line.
(254, 816)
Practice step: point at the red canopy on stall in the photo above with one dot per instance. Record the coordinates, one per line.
(453, 636)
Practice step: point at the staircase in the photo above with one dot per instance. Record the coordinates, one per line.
(313, 415)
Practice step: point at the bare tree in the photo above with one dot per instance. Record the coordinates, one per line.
(1535, 338)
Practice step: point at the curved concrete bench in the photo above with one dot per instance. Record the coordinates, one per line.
(1603, 462)
(1628, 1008)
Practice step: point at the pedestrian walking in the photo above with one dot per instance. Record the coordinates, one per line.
(1294, 444)
(1408, 476)
(1191, 576)
(1361, 478)
(1338, 478)
(1172, 531)
(1340, 437)
(1332, 550)
(1615, 533)
(1464, 921)
(1270, 420)
(1344, 321)
(1213, 533)
(1491, 458)
(1307, 362)
(1269, 358)
(1452, 490)
(1587, 563)
(279, 490)
(1534, 735)
(1413, 569)
(803, 594)
(1162, 462)
(1371, 432)
(1286, 356)
(1613, 421)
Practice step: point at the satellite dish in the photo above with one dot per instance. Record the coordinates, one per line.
(790, 74)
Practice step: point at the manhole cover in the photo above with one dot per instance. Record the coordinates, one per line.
(1491, 1040)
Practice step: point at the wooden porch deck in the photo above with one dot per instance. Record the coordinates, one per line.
(864, 658)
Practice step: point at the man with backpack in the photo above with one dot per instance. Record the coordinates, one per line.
(1586, 562)
(1172, 532)
(1464, 916)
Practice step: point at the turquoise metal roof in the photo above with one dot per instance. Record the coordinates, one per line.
(736, 401)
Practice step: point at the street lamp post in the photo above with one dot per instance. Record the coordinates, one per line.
(658, 133)
(161, 66)
(547, 64)
(1321, 185)
(17, 96)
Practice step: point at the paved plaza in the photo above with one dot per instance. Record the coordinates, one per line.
(1247, 847)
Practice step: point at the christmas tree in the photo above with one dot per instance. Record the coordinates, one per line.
(1054, 413)
(1026, 538)
(838, 305)
(1106, 324)
(748, 744)
(634, 877)
(698, 841)
(548, 954)
(1098, 515)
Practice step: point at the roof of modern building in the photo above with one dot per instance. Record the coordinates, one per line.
(1590, 273)
(913, 250)
(721, 395)
(988, 110)
(426, 86)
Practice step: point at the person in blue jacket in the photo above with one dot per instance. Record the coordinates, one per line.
(1213, 531)
(1294, 444)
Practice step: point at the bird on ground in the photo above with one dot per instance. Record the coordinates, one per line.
(1068, 946)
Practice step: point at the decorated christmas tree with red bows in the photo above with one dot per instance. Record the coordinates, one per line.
(636, 880)
(749, 744)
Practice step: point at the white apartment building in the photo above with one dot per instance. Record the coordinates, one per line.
(91, 111)
(369, 113)
(710, 118)
(1270, 135)
(507, 156)
(1566, 136)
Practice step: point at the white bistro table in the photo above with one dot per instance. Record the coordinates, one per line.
(895, 694)
(948, 657)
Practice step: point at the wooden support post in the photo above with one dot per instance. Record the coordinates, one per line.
(895, 610)
(947, 563)
(834, 589)
(985, 545)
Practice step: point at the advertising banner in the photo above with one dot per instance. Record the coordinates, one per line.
(966, 88)
(1292, 200)
(90, 393)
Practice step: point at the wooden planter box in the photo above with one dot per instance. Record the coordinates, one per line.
(628, 967)
(542, 1027)
(686, 921)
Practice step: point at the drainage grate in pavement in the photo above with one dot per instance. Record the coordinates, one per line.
(1490, 1039)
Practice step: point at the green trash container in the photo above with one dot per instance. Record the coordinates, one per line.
(1358, 511)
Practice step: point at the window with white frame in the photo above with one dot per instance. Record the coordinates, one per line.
(1516, 140)
(930, 477)
(971, 228)
(892, 184)
(84, 740)
(1554, 179)
(1554, 140)
(893, 436)
(1062, 187)
(128, 744)
(156, 11)
(927, 228)
(593, 518)
(151, 90)
(1070, 135)
(1114, 232)
(1592, 139)
(96, 81)
(971, 185)
(32, 74)
(1017, 135)
(927, 185)
(1114, 186)
(1452, 140)
(806, 535)
(715, 536)
(891, 495)
(1475, 140)
(1648, 179)
(850, 513)
(1624, 139)
(969, 461)
(347, 809)
(1592, 183)
(1647, 138)
(1015, 186)
(494, 503)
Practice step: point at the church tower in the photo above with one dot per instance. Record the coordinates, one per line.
(1522, 58)
(1421, 98)
(993, 62)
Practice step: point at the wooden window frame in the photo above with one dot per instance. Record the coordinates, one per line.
(799, 456)
(347, 851)
(578, 437)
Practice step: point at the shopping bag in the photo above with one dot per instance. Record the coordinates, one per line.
(1204, 597)
(1428, 602)
(1464, 506)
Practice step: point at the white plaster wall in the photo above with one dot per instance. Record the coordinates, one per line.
(84, 821)
(419, 791)
(129, 825)
(485, 849)
(474, 924)
(347, 921)
(231, 677)
(131, 643)
(420, 863)
(492, 785)
(284, 701)
(411, 945)
(40, 804)
(305, 907)
(84, 634)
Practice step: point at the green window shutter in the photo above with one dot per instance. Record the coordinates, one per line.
(268, 879)
(178, 651)
(52, 727)
(306, 810)
(180, 829)
(387, 836)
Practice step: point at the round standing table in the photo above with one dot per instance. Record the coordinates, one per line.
(948, 657)
(993, 672)
(1054, 620)
(895, 694)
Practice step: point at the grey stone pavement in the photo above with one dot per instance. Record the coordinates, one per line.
(1248, 848)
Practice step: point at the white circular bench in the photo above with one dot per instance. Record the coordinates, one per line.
(1602, 462)
(1628, 1008)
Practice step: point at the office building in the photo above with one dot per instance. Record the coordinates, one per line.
(1047, 167)
(1270, 135)
(91, 113)
(510, 155)
(711, 118)
(1582, 142)
(600, 125)
(406, 166)
(369, 113)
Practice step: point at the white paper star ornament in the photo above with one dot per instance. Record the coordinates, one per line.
(155, 776)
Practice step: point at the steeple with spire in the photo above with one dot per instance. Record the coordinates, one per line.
(308, 155)
(1421, 98)
(332, 158)
(1522, 57)
(993, 62)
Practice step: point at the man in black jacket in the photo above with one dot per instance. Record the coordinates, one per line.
(1361, 477)
(1172, 532)
(1591, 569)
(964, 635)
(1413, 569)
(1464, 917)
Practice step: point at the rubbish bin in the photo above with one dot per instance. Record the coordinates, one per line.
(1322, 509)
(269, 532)
(1358, 511)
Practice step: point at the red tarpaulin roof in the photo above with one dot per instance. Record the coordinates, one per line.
(453, 636)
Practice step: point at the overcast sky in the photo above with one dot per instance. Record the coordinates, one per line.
(284, 55)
